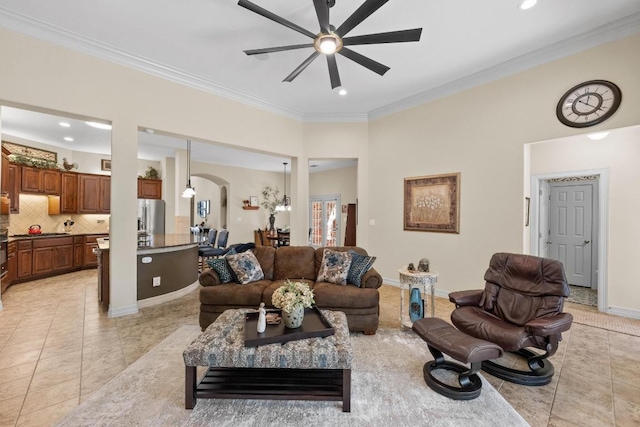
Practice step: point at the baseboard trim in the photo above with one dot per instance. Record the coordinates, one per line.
(442, 293)
(148, 302)
(122, 311)
(625, 312)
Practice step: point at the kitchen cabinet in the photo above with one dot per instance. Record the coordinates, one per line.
(69, 193)
(52, 255)
(90, 248)
(12, 264)
(94, 194)
(40, 181)
(25, 258)
(78, 252)
(11, 183)
(149, 188)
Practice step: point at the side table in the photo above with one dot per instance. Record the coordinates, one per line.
(421, 280)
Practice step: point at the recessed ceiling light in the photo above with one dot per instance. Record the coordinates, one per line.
(342, 92)
(598, 135)
(528, 4)
(99, 125)
(68, 138)
(64, 124)
(149, 131)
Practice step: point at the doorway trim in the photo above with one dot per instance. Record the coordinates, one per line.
(603, 223)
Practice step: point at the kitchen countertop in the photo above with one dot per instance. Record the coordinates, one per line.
(159, 242)
(12, 238)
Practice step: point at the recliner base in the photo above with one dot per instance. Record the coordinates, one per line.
(538, 375)
(470, 383)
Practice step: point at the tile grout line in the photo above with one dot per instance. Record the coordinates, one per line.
(33, 374)
(555, 390)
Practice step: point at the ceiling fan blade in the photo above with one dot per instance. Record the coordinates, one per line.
(390, 37)
(322, 10)
(301, 67)
(333, 71)
(374, 66)
(275, 18)
(362, 13)
(276, 49)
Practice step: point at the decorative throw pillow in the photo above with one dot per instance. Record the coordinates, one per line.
(335, 267)
(246, 267)
(221, 266)
(360, 264)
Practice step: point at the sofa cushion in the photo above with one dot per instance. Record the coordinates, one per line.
(221, 266)
(320, 254)
(266, 256)
(246, 267)
(335, 267)
(360, 264)
(340, 296)
(294, 262)
(233, 294)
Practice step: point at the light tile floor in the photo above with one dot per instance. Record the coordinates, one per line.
(57, 346)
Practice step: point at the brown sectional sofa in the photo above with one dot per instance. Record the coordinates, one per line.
(301, 263)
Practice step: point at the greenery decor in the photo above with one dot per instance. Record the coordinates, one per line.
(270, 199)
(152, 173)
(291, 295)
(33, 161)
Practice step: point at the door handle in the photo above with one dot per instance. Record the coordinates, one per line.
(587, 241)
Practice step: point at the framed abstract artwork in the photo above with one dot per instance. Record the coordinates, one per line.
(432, 203)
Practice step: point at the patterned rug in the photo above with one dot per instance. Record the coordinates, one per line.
(387, 390)
(583, 295)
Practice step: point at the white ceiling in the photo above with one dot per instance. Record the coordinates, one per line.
(200, 43)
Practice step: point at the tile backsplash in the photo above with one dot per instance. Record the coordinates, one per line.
(34, 210)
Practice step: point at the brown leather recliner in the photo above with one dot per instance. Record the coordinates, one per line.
(520, 307)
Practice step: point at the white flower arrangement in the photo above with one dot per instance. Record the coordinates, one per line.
(291, 294)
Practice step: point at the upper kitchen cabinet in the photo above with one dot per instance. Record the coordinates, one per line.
(11, 183)
(69, 193)
(40, 181)
(149, 188)
(94, 194)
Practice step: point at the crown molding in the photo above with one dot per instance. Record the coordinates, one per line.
(598, 36)
(59, 36)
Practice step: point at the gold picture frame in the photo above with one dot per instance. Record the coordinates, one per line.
(432, 203)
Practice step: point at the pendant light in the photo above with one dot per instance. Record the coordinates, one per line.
(189, 192)
(284, 204)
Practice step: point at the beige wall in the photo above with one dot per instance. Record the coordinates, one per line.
(481, 134)
(619, 153)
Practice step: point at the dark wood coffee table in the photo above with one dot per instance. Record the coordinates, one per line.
(307, 369)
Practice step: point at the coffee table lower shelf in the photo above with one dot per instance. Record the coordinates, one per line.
(269, 383)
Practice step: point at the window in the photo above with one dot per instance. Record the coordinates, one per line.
(324, 220)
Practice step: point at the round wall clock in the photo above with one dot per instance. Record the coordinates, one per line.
(589, 103)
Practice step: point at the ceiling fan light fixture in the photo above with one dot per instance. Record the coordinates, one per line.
(328, 44)
(527, 4)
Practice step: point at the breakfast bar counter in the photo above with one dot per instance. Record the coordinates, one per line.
(167, 267)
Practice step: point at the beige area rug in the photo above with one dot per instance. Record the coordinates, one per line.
(387, 390)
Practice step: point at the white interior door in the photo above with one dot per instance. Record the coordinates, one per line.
(570, 225)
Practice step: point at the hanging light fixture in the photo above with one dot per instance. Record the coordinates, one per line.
(189, 192)
(285, 204)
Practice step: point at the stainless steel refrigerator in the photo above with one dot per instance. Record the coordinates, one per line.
(151, 216)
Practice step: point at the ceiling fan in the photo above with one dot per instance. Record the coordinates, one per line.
(331, 40)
